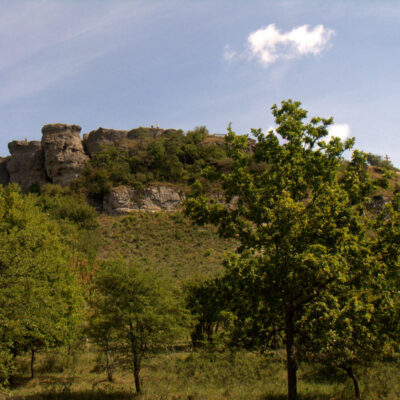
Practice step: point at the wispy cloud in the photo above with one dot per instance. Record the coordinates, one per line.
(229, 54)
(268, 44)
(342, 131)
(44, 42)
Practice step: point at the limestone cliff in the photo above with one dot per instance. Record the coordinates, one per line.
(64, 156)
(4, 175)
(25, 166)
(125, 199)
(102, 136)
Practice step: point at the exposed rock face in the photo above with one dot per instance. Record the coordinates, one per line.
(63, 152)
(25, 166)
(121, 200)
(160, 197)
(377, 203)
(124, 199)
(102, 136)
(4, 175)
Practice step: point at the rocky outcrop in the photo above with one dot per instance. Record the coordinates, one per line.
(377, 203)
(63, 153)
(25, 166)
(161, 197)
(101, 136)
(125, 199)
(4, 175)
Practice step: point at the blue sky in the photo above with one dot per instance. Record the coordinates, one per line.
(179, 64)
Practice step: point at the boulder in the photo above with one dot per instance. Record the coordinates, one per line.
(25, 166)
(63, 152)
(121, 200)
(4, 175)
(102, 136)
(124, 199)
(160, 198)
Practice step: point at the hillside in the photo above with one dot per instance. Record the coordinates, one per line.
(167, 242)
(119, 208)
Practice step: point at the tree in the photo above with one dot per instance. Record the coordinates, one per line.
(40, 294)
(136, 307)
(205, 300)
(298, 221)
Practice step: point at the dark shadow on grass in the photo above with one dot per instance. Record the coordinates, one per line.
(324, 374)
(82, 395)
(19, 381)
(299, 397)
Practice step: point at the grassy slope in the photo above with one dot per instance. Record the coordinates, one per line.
(168, 242)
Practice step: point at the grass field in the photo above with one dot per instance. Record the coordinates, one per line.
(195, 376)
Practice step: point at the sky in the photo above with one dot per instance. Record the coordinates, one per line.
(185, 63)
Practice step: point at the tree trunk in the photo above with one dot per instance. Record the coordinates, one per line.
(109, 368)
(32, 363)
(290, 355)
(197, 336)
(350, 373)
(136, 372)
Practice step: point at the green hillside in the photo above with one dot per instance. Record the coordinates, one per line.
(167, 242)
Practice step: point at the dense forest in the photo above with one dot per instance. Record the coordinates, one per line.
(277, 278)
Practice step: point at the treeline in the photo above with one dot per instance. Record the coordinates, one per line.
(54, 293)
(46, 243)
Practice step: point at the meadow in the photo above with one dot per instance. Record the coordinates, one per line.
(200, 375)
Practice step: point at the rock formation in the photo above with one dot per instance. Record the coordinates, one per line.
(108, 137)
(377, 203)
(102, 136)
(64, 156)
(4, 175)
(61, 156)
(25, 166)
(124, 199)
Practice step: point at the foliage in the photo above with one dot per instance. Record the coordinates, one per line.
(76, 218)
(171, 157)
(206, 303)
(376, 160)
(302, 232)
(136, 308)
(40, 295)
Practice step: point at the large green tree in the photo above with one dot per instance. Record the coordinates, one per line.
(300, 223)
(40, 293)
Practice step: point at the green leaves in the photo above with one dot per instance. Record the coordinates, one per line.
(307, 264)
(135, 310)
(40, 296)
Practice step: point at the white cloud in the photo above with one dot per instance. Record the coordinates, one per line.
(268, 44)
(341, 131)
